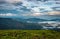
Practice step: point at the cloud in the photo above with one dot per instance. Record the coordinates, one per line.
(30, 4)
(56, 8)
(33, 14)
(27, 8)
(13, 1)
(7, 14)
(2, 2)
(37, 14)
(54, 13)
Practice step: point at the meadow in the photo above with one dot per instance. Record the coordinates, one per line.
(29, 34)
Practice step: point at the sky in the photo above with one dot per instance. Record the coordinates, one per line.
(30, 8)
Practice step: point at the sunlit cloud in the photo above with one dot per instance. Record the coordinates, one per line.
(37, 14)
(54, 13)
(33, 14)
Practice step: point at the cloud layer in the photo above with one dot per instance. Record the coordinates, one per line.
(29, 7)
(8, 14)
(54, 13)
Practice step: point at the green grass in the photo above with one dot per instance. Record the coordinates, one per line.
(29, 34)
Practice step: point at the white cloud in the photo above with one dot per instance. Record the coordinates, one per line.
(8, 14)
(45, 5)
(36, 9)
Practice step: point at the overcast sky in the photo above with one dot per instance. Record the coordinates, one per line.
(29, 8)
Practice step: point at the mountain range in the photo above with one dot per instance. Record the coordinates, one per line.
(8, 23)
(18, 23)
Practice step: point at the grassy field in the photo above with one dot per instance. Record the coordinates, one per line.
(29, 34)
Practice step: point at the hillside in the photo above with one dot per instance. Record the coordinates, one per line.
(29, 34)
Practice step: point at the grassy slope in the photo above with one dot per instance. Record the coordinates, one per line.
(29, 34)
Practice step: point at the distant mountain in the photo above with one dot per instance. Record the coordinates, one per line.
(55, 20)
(8, 23)
(30, 20)
(35, 20)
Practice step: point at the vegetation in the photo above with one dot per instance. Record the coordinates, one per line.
(29, 34)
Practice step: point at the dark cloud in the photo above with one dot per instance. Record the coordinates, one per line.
(2, 2)
(18, 4)
(42, 0)
(8, 11)
(38, 0)
(56, 8)
(57, 0)
(25, 9)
